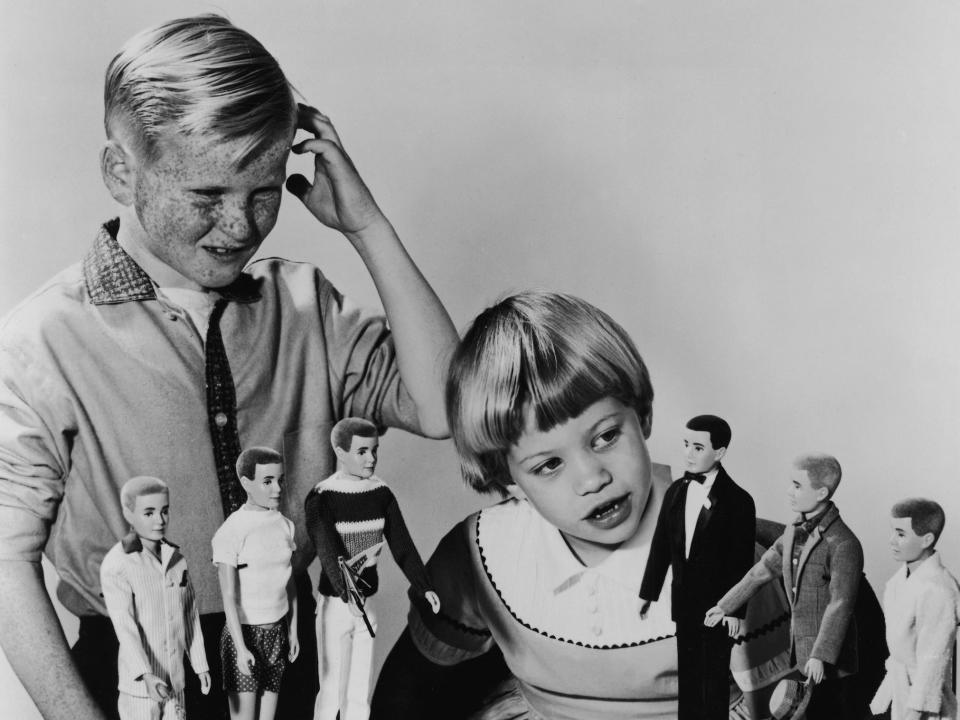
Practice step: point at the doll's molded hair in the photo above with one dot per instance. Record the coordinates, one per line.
(140, 485)
(253, 456)
(344, 431)
(926, 516)
(823, 471)
(718, 428)
(198, 76)
(551, 353)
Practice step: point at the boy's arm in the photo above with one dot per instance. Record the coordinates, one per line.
(936, 631)
(292, 638)
(229, 579)
(36, 647)
(403, 549)
(423, 334)
(846, 567)
(322, 529)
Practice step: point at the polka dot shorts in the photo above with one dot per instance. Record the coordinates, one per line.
(269, 646)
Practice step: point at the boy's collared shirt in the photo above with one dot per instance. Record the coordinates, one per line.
(151, 604)
(102, 380)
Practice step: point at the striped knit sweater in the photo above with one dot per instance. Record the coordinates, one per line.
(345, 516)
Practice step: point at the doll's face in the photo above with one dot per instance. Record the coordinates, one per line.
(263, 489)
(804, 498)
(149, 516)
(360, 461)
(698, 451)
(905, 545)
(590, 477)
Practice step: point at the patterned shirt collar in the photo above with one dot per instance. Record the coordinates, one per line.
(112, 276)
(132, 543)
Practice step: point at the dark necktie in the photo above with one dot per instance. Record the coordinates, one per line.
(695, 477)
(222, 414)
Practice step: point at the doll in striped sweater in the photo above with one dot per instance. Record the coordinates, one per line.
(349, 517)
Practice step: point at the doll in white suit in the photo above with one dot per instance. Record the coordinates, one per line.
(922, 607)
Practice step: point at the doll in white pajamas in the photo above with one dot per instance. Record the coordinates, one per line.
(922, 607)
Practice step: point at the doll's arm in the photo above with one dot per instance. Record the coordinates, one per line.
(292, 638)
(846, 567)
(936, 632)
(194, 635)
(404, 551)
(768, 568)
(229, 580)
(740, 554)
(659, 558)
(118, 596)
(321, 525)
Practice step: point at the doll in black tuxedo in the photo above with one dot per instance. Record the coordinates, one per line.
(705, 534)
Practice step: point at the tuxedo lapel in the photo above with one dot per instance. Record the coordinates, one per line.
(678, 525)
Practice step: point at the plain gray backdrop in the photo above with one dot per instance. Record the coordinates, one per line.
(765, 194)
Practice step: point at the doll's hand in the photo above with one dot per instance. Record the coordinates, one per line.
(434, 600)
(294, 643)
(204, 682)
(732, 624)
(713, 616)
(156, 688)
(814, 670)
(644, 609)
(245, 660)
(338, 196)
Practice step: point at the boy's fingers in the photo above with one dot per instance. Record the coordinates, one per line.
(312, 120)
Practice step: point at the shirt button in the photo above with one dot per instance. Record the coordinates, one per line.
(220, 419)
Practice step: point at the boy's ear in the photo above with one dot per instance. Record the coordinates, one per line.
(127, 514)
(118, 172)
(927, 540)
(720, 452)
(824, 495)
(339, 452)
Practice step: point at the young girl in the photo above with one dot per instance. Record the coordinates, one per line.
(549, 404)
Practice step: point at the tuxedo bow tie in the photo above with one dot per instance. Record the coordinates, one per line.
(696, 477)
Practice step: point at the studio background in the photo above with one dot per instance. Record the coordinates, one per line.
(764, 194)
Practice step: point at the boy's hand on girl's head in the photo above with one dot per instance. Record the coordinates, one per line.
(434, 601)
(644, 609)
(204, 682)
(337, 197)
(156, 688)
(245, 660)
(814, 670)
(713, 616)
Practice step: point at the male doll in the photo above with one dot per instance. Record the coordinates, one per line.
(705, 533)
(252, 551)
(922, 607)
(820, 561)
(150, 601)
(349, 513)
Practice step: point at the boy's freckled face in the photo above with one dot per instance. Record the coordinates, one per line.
(698, 451)
(802, 495)
(590, 477)
(202, 215)
(360, 461)
(905, 545)
(149, 516)
(264, 489)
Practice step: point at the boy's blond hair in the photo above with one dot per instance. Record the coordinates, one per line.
(822, 469)
(141, 485)
(549, 353)
(198, 76)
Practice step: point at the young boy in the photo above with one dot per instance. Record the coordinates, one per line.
(922, 607)
(150, 601)
(252, 551)
(351, 513)
(705, 533)
(820, 561)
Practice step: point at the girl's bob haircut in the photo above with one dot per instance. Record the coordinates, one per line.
(549, 354)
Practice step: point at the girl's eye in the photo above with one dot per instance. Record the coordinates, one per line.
(606, 438)
(548, 467)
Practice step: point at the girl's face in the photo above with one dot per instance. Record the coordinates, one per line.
(589, 477)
